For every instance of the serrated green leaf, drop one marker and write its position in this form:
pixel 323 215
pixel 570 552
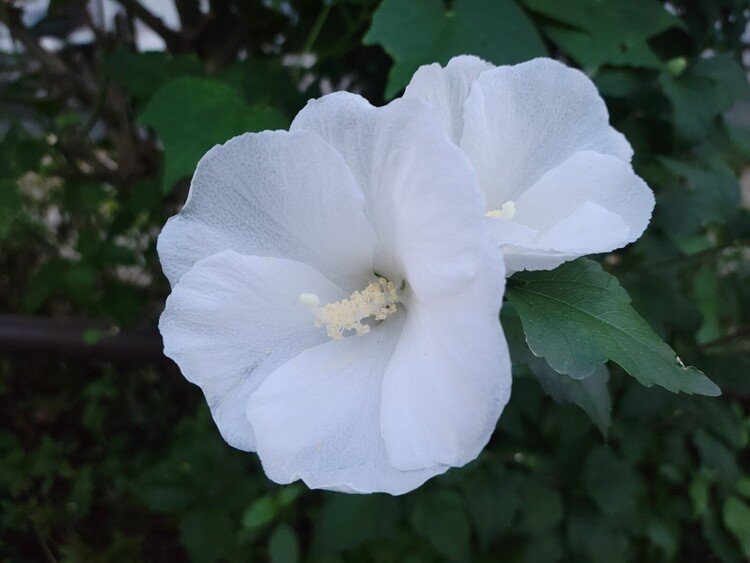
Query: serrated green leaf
pixel 698 195
pixel 191 115
pixel 577 317
pixel 706 89
pixel 142 74
pixel 613 32
pixel 590 393
pixel 417 32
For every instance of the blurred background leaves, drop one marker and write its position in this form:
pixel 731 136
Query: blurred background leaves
pixel 105 109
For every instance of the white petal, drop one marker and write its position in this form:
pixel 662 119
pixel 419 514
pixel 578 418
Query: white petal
pixel 521 121
pixel 517 259
pixel 420 191
pixel 446 89
pixel 231 320
pixel 449 378
pixel 509 232
pixel 592 177
pixel 317 417
pixel 287 195
pixel 591 203
pixel 587 230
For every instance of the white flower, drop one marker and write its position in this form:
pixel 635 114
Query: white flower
pixel 556 175
pixel 336 298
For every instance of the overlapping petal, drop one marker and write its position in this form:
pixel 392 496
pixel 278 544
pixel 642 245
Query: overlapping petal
pixel 317 417
pixel 521 121
pixel 538 135
pixel 231 320
pixel 589 204
pixel 281 194
pixel 420 191
pixel 446 89
pixel 450 377
pixel 351 192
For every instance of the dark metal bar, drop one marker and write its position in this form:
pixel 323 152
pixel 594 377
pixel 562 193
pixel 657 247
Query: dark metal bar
pixel 78 338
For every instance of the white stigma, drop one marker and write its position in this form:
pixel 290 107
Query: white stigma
pixel 378 300
pixel 506 211
pixel 309 299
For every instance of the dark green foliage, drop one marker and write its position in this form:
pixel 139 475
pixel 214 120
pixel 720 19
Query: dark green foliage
pixel 104 461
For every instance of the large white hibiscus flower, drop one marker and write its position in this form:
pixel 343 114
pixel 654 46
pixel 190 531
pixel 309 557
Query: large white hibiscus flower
pixel 335 297
pixel 556 175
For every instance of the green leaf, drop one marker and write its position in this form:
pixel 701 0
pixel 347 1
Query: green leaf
pixel 592 539
pixel 700 494
pixel 577 317
pixel 142 74
pixel 439 516
pixel 283 546
pixel 260 512
pixel 706 89
pixel 613 32
pixel 541 507
pixel 699 195
pixel 417 32
pixel 611 482
pixel 191 115
pixel 708 298
pixel 10 206
pixel 590 393
pixel 206 532
pixel 717 459
pixel 737 520
pixel 491 501
pixel 346 521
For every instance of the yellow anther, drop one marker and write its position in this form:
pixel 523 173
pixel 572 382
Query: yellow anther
pixel 378 300
pixel 506 211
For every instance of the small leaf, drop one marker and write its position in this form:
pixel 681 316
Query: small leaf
pixel 491 501
pixel 261 512
pixel 142 74
pixel 283 546
pixel 191 115
pixel 541 507
pixel 577 317
pixel 611 482
pixel 590 393
pixel 737 520
pixel 613 32
pixel 206 532
pixel 346 521
pixel 700 494
pixel 418 32
pixel 439 516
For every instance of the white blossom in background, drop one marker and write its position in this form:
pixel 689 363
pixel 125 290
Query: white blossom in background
pixel 556 175
pixel 336 297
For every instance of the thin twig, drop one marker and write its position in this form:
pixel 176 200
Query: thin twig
pixel 173 40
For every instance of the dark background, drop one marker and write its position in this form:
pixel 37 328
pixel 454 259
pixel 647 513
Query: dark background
pixel 108 454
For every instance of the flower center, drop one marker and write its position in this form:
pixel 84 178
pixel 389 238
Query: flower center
pixel 506 211
pixel 378 301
